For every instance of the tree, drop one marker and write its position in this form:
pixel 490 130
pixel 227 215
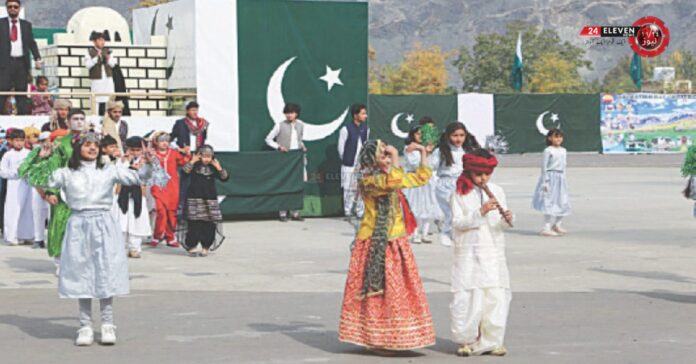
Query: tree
pixel 553 73
pixel 487 67
pixel 422 71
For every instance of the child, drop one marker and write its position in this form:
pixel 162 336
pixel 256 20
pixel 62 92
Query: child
pixel 39 205
pixel 93 262
pixel 167 198
pixel 454 142
pixel 31 135
pixel 40 165
pixel 480 277
pixel 551 194
pixel 100 64
pixel 287 136
pixel 384 305
pixel 202 207
pixel 19 222
pixel 41 104
pixel 421 199
pixel 350 140
pixel 135 221
pixel 689 170
pixel 109 149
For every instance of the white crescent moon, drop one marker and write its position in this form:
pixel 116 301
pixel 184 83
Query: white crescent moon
pixel 395 127
pixel 276 102
pixel 540 124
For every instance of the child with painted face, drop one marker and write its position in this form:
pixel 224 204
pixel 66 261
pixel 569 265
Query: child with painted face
pixel 446 161
pixel 202 208
pixel 93 261
pixel 18 221
pixel 480 278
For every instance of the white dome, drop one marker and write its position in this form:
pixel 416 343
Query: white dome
pixel 99 19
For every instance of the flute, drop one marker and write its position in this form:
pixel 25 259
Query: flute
pixel 500 208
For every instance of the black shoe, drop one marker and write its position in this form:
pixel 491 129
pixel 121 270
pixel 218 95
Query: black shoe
pixel 38 245
pixel 284 219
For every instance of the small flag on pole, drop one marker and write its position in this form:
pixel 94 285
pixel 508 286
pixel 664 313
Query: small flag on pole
pixel 516 76
pixel 636 70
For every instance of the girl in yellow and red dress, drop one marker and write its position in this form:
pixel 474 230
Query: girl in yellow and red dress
pixel 384 305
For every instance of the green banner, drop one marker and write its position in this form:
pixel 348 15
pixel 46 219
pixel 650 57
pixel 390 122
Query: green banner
pixel 261 182
pixel 523 120
pixel 307 52
pixel 391 117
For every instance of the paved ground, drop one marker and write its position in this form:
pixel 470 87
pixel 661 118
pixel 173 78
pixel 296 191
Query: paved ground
pixel 619 289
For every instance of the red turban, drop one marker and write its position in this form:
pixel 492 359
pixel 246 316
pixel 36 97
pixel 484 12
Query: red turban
pixel 476 164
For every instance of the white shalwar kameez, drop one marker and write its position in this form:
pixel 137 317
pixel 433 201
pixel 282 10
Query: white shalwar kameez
pixel 104 85
pixel 349 178
pixel 421 200
pixel 19 221
pixel 480 277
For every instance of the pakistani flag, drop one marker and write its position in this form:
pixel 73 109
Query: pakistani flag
pixel 523 120
pixel 392 117
pixel 517 65
pixel 312 53
pixel 636 70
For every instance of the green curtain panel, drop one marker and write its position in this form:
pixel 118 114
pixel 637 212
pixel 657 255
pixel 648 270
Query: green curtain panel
pixel 522 120
pixel 262 182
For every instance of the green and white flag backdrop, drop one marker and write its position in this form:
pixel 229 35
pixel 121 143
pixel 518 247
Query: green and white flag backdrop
pixel 250 57
pixel 392 117
pixel 522 121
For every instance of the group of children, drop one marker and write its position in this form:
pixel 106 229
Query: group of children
pixel 384 305
pixel 99 212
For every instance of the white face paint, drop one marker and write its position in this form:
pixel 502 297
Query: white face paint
pixel 78 122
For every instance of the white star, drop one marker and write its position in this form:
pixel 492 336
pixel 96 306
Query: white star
pixel 331 77
pixel 554 117
pixel 409 118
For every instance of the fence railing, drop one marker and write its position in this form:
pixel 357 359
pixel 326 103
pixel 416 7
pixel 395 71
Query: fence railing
pixel 93 96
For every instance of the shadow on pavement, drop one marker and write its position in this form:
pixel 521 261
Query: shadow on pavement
pixel 42 327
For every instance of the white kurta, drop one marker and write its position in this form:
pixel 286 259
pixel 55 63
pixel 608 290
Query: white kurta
pixel 19 221
pixel 349 179
pixel 105 84
pixel 480 278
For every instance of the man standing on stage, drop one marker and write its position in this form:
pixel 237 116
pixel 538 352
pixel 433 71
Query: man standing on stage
pixel 16 42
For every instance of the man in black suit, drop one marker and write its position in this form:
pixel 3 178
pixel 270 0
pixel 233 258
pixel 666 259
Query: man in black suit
pixel 16 42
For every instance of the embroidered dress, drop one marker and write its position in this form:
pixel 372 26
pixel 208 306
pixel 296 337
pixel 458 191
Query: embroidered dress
pixel 551 193
pixel 391 312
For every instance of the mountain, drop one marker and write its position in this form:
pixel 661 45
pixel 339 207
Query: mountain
pixel 395 25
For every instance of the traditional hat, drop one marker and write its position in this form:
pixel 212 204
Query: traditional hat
pixel 31 130
pixel 476 164
pixel 62 104
pixel 114 105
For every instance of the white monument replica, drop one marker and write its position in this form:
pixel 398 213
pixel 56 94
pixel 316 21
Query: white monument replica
pixel 144 66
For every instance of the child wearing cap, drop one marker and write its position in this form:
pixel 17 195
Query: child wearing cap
pixel 202 208
pixel 480 277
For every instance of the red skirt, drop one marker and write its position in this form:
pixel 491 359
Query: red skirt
pixel 397 320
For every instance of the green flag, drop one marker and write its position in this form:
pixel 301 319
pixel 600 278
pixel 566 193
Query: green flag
pixel 636 70
pixel 517 65
pixel 391 117
pixel 523 121
pixel 311 53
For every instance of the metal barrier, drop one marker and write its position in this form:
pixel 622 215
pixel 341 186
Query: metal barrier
pixel 93 96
